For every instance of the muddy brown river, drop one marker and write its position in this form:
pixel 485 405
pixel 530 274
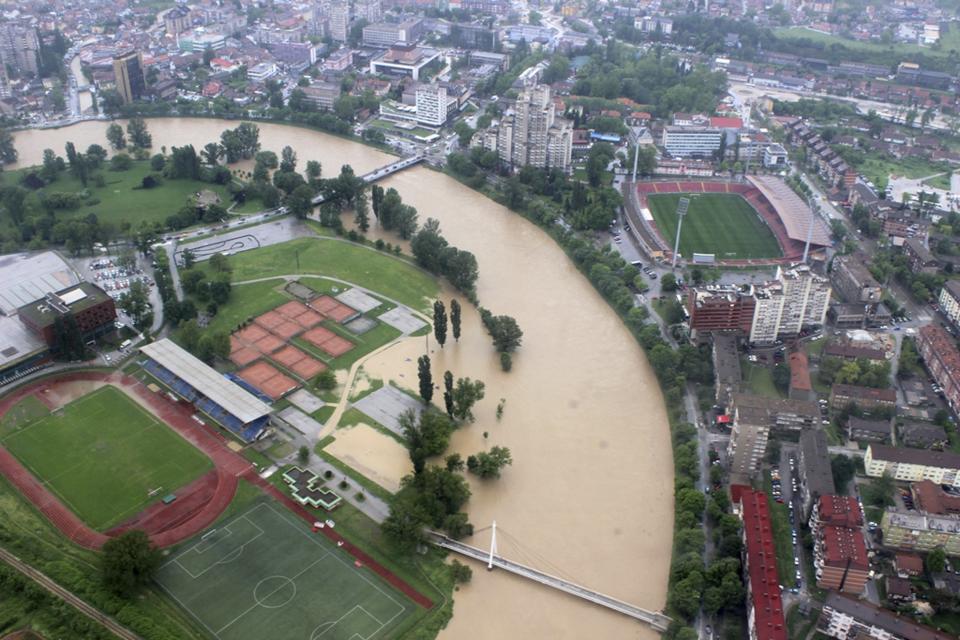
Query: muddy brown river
pixel 589 496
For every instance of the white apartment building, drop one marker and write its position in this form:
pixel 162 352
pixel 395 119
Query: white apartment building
pixel 797 298
pixel 844 617
pixel 691 142
pixel 912 465
pixel 431 104
pixel 339 21
pixel 950 301
pixel 262 71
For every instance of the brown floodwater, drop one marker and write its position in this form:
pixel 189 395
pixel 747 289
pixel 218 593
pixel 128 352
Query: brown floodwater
pixel 589 495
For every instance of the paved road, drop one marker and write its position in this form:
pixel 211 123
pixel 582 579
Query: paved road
pixel 77 603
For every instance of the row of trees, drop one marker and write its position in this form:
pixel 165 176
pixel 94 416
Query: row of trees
pixel 436 255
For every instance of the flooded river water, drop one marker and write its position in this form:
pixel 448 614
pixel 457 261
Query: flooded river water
pixel 589 495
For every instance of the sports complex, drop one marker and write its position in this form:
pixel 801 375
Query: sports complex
pixel 98 453
pixel 761 221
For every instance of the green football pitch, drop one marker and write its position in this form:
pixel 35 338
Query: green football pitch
pixel 264 574
pixel 719 223
pixel 103 455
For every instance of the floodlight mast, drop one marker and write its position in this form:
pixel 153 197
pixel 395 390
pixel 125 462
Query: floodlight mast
pixel 681 211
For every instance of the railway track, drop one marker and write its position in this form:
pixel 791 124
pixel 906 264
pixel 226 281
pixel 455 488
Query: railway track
pixel 76 602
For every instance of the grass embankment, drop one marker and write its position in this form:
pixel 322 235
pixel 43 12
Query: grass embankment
pixel 120 199
pixel 722 224
pixel 104 456
pixel 780 525
pixel 367 268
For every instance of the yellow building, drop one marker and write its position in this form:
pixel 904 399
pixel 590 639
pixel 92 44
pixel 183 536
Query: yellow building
pixel 912 465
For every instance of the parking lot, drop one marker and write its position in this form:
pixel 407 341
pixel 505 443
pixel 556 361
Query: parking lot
pixel 114 279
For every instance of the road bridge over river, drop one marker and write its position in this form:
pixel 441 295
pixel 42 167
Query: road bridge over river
pixel 382 172
pixel 656 620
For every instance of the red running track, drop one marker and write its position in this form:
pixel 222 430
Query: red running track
pixel 229 467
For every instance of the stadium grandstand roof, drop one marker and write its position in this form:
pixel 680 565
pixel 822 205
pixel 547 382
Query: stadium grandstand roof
pixel 793 211
pixel 243 405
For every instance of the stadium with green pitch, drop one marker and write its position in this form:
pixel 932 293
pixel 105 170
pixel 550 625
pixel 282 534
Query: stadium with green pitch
pixel 265 574
pixel 103 455
pixel 723 224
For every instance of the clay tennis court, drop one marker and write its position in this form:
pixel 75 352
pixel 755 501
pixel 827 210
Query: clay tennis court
pixel 252 333
pixel 328 341
pixel 269 343
pixel 269 320
pixel 308 319
pixel 268 379
pixel 318 335
pixel 244 356
pixel 333 308
pixel 337 346
pixel 299 362
pixel 292 309
pixel 287 329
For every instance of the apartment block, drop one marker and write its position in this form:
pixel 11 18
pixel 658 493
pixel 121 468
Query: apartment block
pixel 431 101
pixel 840 552
pixel 754 417
pixel 691 141
pixel 816 476
pixel 853 281
pixel 720 309
pixel 950 301
pixel 322 95
pixel 533 135
pixel 942 358
pixel 765 617
pixel 19 47
pixel 844 617
pixel 128 73
pixel 921 531
pixel 867 398
pixel 797 298
pixel 912 465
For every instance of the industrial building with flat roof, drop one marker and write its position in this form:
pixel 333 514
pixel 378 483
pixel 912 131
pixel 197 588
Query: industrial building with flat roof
pixel 226 402
pixel 26 277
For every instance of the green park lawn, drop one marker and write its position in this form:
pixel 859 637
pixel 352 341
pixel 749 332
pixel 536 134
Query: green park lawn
pixel 759 379
pixel 949 40
pixel 119 199
pixel 102 454
pixel 722 224
pixel 878 168
pixel 374 270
